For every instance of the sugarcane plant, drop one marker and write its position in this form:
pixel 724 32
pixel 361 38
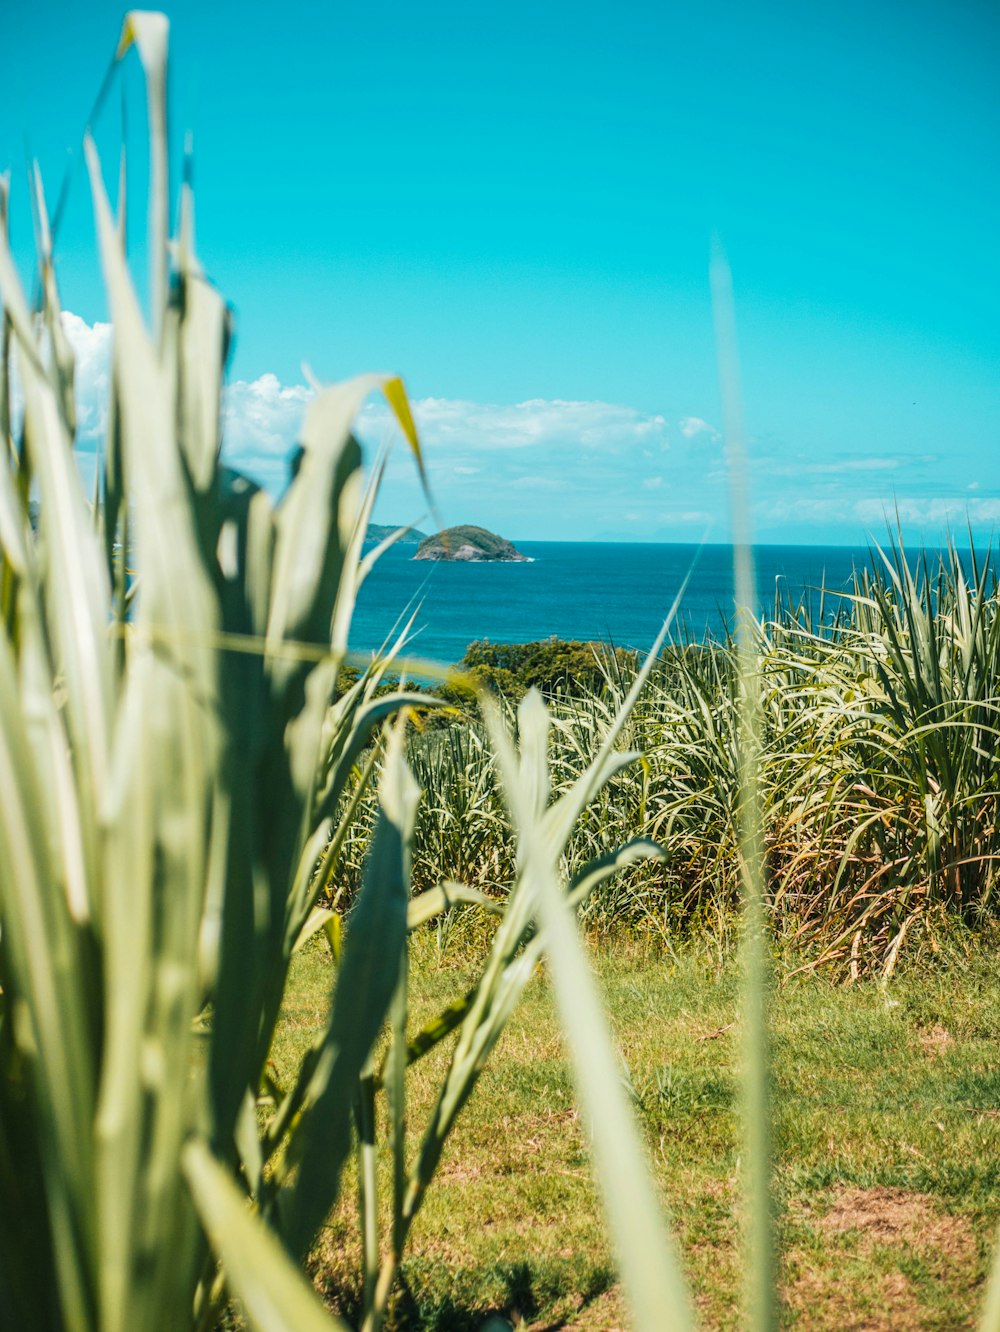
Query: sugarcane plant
pixel 180 764
pixel 174 754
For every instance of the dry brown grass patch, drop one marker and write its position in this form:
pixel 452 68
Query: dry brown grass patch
pixel 936 1041
pixel 898 1216
pixel 890 1226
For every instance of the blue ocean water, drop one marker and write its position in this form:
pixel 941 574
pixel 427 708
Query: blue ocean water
pixel 584 590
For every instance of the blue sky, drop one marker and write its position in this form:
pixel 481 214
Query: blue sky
pixel 512 206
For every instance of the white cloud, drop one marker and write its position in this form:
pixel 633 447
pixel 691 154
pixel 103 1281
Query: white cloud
pixel 91 345
pixel 875 513
pixel 862 465
pixel 777 509
pixel 537 422
pixel 942 511
pixel 839 468
pixel 262 418
pixel 846 466
pixel 693 426
pixel 544 446
pixel 687 517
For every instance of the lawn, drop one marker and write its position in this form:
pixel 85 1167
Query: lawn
pixel 887 1143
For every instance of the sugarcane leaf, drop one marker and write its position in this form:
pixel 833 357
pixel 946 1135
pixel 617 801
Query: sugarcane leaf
pixel 434 901
pixel 366 981
pixel 149 32
pixel 319 510
pixel 647 1257
pixel 271 1288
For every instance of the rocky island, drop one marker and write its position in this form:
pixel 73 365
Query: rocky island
pixel 468 545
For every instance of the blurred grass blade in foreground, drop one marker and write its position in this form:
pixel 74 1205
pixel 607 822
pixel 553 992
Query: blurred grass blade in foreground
pixel 761 1273
pixel 648 1261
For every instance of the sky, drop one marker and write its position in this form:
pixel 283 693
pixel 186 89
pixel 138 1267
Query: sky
pixel 513 207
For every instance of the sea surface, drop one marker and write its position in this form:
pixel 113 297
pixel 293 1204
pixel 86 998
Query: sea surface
pixel 620 593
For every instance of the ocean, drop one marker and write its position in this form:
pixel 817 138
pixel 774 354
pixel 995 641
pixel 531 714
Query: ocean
pixel 619 593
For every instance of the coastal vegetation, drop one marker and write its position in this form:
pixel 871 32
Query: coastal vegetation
pixel 554 665
pixel 510 670
pixel 878 772
pixel 265 934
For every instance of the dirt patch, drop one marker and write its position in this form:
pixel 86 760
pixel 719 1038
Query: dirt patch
pixel 897 1216
pixel 877 1219
pixel 935 1041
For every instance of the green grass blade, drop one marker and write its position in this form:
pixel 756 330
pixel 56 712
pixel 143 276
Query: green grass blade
pixel 172 686
pixel 272 1290
pixel 42 949
pixel 761 1272
pixel 434 902
pixel 366 982
pixel 150 33
pixel 77 599
pixel 395 1084
pixel 647 1258
pixel 307 567
pixel 990 1319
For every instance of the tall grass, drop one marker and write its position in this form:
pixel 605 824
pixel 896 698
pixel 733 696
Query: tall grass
pixel 173 758
pixel 878 780
pixel 180 773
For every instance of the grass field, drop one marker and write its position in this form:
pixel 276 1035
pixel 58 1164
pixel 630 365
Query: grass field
pixel 888 1143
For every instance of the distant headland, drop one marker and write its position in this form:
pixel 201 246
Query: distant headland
pixel 380 531
pixel 469 545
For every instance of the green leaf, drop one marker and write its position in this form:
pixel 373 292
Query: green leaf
pixel 990 1320
pixel 434 901
pixel 647 1258
pixel 150 33
pixel 366 981
pixel 272 1290
pixel 327 485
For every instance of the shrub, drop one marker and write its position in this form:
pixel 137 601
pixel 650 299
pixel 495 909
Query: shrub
pixel 552 665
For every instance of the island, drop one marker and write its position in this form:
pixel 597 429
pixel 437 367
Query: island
pixel 469 545
pixel 379 532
